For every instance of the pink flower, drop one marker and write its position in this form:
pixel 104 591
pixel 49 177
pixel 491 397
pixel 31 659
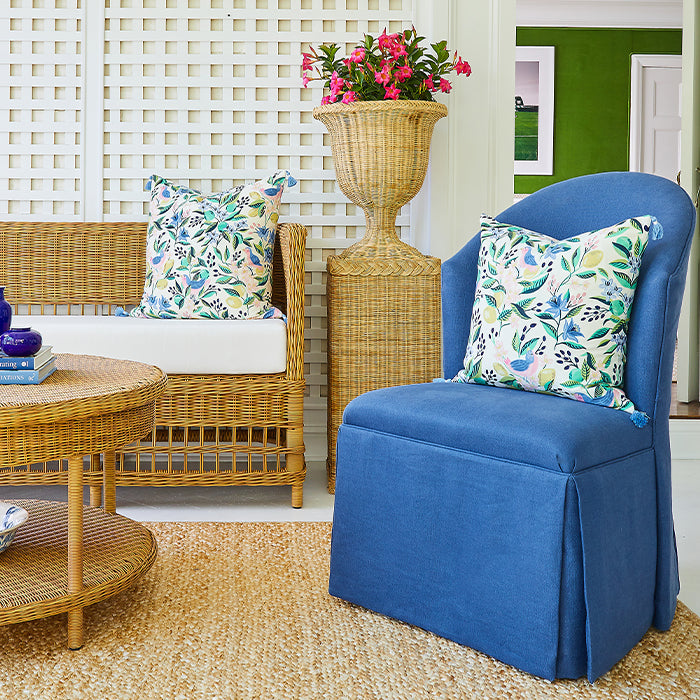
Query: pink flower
pixel 384 77
pixel 329 99
pixel 403 73
pixel 336 81
pixel 305 80
pixel 463 67
pixel 445 85
pixel 428 83
pixel 387 41
pixel 358 55
pixel 398 50
pixel 392 93
pixel 306 63
pixel 349 97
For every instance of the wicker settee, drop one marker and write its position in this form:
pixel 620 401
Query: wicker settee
pixel 210 429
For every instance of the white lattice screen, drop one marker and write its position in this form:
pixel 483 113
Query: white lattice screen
pixel 41 69
pixel 206 92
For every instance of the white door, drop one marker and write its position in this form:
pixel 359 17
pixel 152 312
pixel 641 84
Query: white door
pixel 655 115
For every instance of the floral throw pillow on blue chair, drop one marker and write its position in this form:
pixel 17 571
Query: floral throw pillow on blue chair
pixel 210 256
pixel 551 315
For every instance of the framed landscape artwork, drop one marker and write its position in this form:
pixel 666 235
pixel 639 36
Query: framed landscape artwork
pixel 534 110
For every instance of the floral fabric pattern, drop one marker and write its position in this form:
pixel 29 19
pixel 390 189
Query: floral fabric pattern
pixel 551 315
pixel 210 256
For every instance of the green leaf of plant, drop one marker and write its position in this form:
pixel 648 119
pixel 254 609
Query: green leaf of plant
pixel 505 315
pixel 625 279
pixel 623 245
pixel 519 310
pixel 576 257
pixel 528 287
pixel 585 371
pixel 550 330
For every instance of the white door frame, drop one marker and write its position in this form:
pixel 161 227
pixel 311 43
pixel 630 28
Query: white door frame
pixel 639 63
pixel 688 330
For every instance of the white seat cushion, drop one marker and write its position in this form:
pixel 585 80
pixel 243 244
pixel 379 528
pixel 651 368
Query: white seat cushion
pixel 177 346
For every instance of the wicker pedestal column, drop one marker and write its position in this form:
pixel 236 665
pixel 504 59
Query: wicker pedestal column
pixel 383 328
pixel 383 295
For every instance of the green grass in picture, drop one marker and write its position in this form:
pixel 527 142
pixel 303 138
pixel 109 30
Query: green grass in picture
pixel 525 135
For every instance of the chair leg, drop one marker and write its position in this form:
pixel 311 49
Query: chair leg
pixel 295 463
pixel 75 548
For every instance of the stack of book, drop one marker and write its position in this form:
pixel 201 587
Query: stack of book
pixel 27 370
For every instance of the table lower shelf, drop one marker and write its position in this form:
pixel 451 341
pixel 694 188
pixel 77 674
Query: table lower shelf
pixel 34 569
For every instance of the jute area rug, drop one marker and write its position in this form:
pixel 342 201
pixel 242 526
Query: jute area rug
pixel 241 610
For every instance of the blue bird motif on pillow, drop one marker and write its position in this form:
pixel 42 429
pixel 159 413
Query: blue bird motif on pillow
pixel 603 400
pixel 272 191
pixel 521 365
pixel 197 284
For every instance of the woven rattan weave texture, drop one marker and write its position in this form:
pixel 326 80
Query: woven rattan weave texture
pixel 89 405
pixel 33 571
pixel 383 295
pixel 210 429
pixel 383 330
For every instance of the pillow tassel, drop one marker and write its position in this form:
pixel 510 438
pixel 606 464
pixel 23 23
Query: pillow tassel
pixel 639 418
pixel 657 230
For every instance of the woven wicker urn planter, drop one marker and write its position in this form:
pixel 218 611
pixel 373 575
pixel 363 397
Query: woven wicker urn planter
pixel 383 295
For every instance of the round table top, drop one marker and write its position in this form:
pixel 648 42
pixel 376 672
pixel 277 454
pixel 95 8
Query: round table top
pixel 81 386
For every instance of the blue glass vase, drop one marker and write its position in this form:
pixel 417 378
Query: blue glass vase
pixel 5 312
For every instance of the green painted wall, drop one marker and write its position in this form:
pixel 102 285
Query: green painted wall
pixel 591 95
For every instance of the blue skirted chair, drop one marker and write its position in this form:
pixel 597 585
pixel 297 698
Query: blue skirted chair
pixel 532 527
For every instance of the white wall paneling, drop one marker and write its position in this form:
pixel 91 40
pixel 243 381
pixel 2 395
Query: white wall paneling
pixel 471 167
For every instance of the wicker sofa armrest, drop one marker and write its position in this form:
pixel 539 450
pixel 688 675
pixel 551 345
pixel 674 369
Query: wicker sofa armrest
pixel 292 246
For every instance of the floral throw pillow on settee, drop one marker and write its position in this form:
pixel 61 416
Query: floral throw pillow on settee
pixel 551 315
pixel 210 255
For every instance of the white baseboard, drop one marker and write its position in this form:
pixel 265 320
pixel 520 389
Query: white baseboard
pixel 685 438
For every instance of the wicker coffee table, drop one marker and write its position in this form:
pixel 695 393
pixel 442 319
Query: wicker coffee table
pixel 68 556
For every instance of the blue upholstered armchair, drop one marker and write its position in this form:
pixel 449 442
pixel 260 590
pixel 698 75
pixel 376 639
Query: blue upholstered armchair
pixel 532 527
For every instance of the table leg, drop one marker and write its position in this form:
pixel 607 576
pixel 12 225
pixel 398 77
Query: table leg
pixel 75 548
pixel 108 475
pixel 95 490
